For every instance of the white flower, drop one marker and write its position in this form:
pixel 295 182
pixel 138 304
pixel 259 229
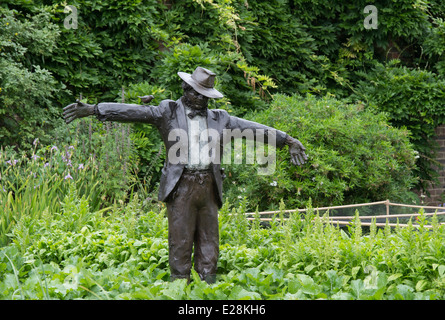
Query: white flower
pixel 273 183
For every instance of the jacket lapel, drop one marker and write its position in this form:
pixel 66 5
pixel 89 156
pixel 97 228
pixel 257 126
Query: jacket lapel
pixel 180 116
pixel 212 122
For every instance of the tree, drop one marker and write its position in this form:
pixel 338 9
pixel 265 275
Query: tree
pixel 26 89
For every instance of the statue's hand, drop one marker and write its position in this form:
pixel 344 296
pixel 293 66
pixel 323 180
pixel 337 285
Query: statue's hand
pixel 77 110
pixel 296 150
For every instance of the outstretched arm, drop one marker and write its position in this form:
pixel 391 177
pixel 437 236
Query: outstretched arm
pixel 110 111
pixel 296 149
pixel 77 110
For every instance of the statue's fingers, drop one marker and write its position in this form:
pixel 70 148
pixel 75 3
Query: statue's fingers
pixel 67 116
pixel 69 119
pixel 70 106
pixel 301 159
pixel 292 159
pixel 69 113
pixel 295 160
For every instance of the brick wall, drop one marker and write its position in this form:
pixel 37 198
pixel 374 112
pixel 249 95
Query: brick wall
pixel 437 192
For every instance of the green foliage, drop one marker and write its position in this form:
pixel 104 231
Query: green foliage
pixel 70 225
pixel 354 157
pixel 26 89
pixel 434 44
pixel 412 99
pixel 83 254
pixel 112 45
pixel 148 146
pixel 257 49
pixel 275 40
pixel 37 183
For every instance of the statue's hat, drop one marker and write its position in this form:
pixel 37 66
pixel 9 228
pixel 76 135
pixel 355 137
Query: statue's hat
pixel 202 80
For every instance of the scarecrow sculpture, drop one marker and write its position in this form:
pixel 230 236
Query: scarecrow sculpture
pixel 191 184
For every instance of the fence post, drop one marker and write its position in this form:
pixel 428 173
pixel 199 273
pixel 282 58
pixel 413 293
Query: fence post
pixel 387 207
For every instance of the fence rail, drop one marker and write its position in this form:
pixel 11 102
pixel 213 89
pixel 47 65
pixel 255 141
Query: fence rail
pixel 345 220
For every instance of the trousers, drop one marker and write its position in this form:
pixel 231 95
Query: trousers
pixel 192 212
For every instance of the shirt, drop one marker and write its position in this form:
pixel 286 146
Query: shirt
pixel 197 138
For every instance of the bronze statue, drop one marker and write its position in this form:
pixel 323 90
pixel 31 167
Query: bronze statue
pixel 191 185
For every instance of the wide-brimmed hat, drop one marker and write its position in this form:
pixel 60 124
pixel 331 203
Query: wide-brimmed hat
pixel 202 80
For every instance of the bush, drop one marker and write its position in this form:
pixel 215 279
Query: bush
pixel 27 91
pixel 354 157
pixel 413 99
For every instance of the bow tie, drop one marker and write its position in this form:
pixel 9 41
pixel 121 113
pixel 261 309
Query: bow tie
pixel 197 112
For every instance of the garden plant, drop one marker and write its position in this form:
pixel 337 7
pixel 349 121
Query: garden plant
pixel 79 217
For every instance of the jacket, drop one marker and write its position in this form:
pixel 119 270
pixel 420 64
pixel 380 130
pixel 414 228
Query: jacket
pixel 170 115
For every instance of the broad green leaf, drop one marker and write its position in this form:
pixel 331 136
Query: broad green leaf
pixel 394 276
pixel 441 270
pixel 293 286
pixel 239 293
pixel 175 290
pixel 404 292
pixel 355 271
pixel 309 268
pixel 357 287
pixel 308 286
pixel 421 285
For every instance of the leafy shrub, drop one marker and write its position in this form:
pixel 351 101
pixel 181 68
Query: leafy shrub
pixel 413 99
pixel 354 157
pixel 27 91
pixel 113 44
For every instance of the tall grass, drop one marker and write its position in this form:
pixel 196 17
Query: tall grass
pixel 31 184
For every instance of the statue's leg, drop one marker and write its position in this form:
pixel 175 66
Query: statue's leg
pixel 181 213
pixel 207 231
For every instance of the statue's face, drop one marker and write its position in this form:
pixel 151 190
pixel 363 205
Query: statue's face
pixel 195 100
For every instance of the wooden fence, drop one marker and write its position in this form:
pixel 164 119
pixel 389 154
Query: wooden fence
pixel 366 220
